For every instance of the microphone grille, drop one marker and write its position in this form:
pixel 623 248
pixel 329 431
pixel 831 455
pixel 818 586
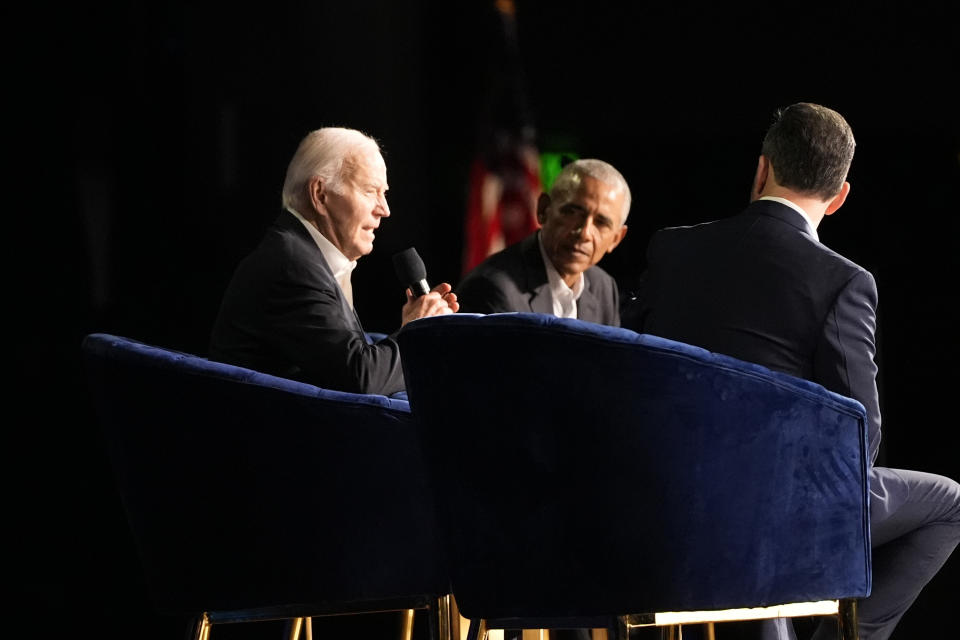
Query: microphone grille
pixel 409 266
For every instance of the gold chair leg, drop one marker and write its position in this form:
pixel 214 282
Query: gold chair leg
pixel 444 619
pixel 671 632
pixel 308 628
pixel 847 619
pixel 458 624
pixel 201 628
pixel 711 633
pixel 622 629
pixel 295 626
pixel 406 624
pixel 478 629
pixel 535 634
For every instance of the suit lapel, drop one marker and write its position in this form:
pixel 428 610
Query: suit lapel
pixel 536 274
pixel 541 301
pixel 588 307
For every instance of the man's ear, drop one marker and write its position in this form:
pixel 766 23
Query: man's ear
pixel 317 190
pixel 838 199
pixel 619 239
pixel 760 177
pixel 542 203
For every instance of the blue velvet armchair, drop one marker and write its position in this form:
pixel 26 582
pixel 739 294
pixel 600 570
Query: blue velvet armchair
pixel 253 497
pixel 590 476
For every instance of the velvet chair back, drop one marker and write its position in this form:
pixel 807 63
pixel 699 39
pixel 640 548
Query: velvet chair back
pixel 244 490
pixel 585 470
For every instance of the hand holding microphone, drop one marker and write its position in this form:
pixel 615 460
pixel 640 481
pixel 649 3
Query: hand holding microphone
pixel 422 301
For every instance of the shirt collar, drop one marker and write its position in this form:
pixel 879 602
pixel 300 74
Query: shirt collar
pixel 798 209
pixel 338 263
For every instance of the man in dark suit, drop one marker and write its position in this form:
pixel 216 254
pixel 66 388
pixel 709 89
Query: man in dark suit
pixel 761 287
pixel 553 270
pixel 288 309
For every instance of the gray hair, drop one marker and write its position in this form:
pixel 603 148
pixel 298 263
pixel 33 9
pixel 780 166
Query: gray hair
pixel 569 179
pixel 322 153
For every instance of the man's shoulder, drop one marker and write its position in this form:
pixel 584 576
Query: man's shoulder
pixel 288 234
pixel 673 242
pixel 285 249
pixel 508 258
pixel 686 232
pixel 503 266
pixel 846 270
pixel 502 274
pixel 829 255
pixel 764 243
pixel 501 282
pixel 787 239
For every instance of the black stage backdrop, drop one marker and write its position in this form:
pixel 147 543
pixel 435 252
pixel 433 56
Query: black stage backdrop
pixel 150 142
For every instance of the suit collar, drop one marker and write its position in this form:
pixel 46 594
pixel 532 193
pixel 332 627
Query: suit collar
pixel 286 222
pixel 537 283
pixel 783 213
pixel 588 306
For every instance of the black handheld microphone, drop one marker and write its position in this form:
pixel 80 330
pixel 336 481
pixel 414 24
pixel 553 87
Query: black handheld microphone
pixel 411 271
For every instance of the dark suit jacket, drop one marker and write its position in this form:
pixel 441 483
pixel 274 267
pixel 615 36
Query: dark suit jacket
pixel 516 280
pixel 283 313
pixel 758 287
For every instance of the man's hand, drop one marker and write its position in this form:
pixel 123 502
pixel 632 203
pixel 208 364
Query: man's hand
pixel 439 301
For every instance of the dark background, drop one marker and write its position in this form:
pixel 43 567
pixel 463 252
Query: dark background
pixel 150 141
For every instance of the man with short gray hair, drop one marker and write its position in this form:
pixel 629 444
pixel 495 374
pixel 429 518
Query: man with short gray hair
pixel 554 270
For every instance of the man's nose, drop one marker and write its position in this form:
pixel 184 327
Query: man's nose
pixel 582 229
pixel 382 208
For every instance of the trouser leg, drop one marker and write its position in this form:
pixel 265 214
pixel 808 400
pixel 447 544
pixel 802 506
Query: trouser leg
pixel 914 527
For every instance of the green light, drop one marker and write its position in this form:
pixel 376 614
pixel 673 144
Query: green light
pixel 551 162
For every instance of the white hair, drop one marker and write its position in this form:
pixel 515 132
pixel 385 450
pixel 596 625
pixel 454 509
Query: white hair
pixel 322 153
pixel 569 178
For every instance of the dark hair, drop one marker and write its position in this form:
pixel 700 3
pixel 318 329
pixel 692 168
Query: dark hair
pixel 810 148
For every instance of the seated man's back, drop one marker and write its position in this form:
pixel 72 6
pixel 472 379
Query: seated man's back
pixel 736 286
pixel 760 287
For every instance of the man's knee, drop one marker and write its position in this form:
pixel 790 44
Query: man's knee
pixel 902 501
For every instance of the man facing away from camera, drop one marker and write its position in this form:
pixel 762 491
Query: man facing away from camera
pixel 759 286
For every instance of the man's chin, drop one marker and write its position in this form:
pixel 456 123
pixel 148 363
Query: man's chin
pixel 575 268
pixel 569 261
pixel 358 252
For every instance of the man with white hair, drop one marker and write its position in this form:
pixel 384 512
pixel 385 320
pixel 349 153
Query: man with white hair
pixel 554 270
pixel 288 309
